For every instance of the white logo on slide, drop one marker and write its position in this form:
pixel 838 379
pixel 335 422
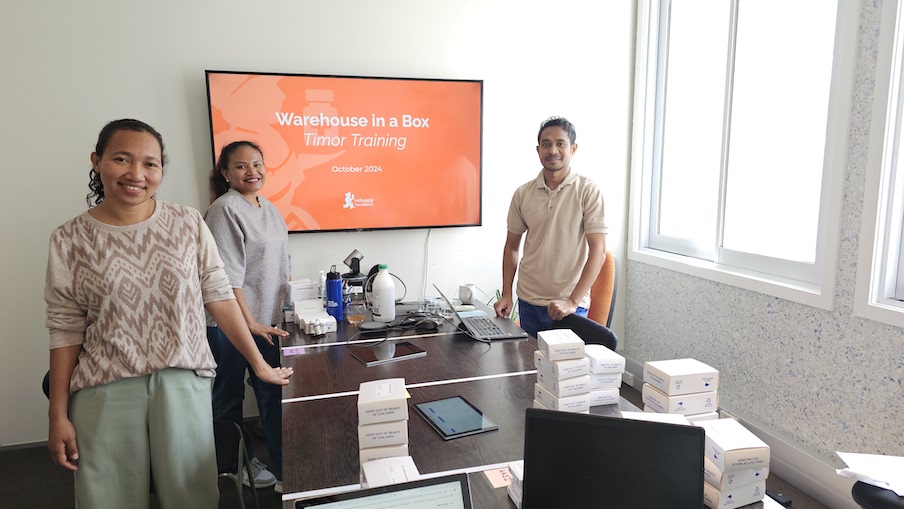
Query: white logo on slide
pixel 349 201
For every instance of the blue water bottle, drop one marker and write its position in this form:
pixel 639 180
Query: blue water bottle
pixel 334 294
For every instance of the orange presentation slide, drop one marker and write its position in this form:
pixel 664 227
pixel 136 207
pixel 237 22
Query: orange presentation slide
pixel 350 153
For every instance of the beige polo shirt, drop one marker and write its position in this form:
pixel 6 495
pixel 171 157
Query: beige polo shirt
pixel 556 222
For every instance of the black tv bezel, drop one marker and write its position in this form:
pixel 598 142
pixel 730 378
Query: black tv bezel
pixel 213 148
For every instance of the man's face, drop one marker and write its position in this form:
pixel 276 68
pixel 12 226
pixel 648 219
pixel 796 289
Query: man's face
pixel 555 149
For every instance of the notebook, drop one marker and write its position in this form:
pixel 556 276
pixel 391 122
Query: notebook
pixel 486 327
pixel 450 491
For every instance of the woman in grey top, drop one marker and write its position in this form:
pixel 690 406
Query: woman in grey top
pixel 252 239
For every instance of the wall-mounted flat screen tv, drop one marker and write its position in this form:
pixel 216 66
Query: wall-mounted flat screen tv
pixel 346 153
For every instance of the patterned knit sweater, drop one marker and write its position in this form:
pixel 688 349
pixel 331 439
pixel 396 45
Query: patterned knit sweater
pixel 133 295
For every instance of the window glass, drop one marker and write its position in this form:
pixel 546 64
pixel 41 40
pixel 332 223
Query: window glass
pixel 779 111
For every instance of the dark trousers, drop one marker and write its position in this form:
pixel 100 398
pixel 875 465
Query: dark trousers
pixel 229 392
pixel 536 318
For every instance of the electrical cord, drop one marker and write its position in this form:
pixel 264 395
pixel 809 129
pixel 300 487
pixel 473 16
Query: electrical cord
pixel 369 283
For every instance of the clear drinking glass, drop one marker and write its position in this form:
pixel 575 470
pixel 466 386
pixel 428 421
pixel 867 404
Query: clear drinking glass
pixel 355 312
pixel 433 309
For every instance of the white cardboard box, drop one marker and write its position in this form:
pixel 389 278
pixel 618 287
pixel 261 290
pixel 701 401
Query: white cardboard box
pixel 382 433
pixel 687 404
pixel 307 306
pixel 681 376
pixel 303 289
pixel 576 404
pixel 732 447
pixel 560 344
pixel 603 360
pixel 599 397
pixel 567 387
pixel 605 380
pixel 708 416
pixel 723 482
pixel 735 497
pixel 322 320
pixel 561 370
pixel 386 471
pixel 656 417
pixel 539 405
pixel 382 400
pixel 376 453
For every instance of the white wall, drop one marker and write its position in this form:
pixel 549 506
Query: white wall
pixel 69 69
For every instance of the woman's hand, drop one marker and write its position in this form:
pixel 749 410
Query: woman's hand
pixel 265 331
pixel 275 376
pixel 61 442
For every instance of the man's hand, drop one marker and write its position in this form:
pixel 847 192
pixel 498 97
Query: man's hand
pixel 503 306
pixel 560 308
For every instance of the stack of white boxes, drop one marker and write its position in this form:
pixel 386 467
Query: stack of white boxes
pixel 382 419
pixel 606 369
pixel 563 379
pixel 516 487
pixel 681 386
pixel 735 465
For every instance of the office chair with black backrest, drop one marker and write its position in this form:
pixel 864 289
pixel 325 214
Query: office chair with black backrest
pixel 588 330
pixel 874 497
pixel 603 291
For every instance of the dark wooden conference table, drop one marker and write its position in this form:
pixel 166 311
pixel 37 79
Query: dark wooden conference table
pixel 320 419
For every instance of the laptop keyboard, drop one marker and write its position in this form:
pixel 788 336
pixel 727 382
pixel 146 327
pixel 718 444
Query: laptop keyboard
pixel 484 326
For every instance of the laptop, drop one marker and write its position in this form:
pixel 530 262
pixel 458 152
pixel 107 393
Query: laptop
pixel 486 327
pixel 449 491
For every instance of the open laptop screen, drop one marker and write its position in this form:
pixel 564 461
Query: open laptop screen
pixel 580 460
pixel 447 492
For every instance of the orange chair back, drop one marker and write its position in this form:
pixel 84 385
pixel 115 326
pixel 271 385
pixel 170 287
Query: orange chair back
pixel 602 293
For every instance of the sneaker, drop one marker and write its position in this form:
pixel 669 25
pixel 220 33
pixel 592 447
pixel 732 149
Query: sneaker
pixel 263 478
pixel 278 487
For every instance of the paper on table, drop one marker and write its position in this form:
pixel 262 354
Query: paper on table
pixel 876 469
pixel 499 477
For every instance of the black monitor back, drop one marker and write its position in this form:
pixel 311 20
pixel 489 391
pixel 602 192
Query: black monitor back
pixel 580 460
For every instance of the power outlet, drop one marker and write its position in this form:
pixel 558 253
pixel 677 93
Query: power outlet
pixel 628 378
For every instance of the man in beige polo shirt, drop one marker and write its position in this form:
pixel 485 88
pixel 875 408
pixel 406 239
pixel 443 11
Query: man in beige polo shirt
pixel 562 214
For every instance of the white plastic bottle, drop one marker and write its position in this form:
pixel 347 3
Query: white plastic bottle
pixel 383 306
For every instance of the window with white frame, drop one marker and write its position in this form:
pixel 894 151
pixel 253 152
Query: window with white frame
pixel 740 133
pixel 880 275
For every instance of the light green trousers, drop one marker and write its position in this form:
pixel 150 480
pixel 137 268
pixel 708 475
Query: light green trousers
pixel 160 422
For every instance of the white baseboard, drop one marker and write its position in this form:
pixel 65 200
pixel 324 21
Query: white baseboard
pixel 806 470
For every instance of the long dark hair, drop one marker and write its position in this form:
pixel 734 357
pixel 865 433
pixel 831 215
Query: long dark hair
pixel 218 184
pixel 125 124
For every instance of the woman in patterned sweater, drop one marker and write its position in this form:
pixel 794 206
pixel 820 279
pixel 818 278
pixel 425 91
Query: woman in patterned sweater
pixel 130 367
